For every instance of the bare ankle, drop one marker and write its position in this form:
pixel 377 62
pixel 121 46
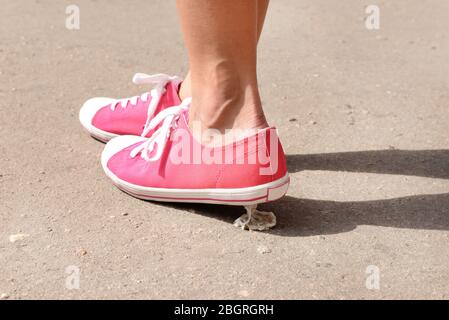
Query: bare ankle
pixel 227 100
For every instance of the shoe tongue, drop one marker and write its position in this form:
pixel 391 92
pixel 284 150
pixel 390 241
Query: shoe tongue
pixel 169 98
pixel 186 116
pixel 172 92
pixel 183 121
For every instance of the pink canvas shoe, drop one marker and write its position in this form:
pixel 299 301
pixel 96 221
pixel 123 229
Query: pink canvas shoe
pixel 106 118
pixel 173 166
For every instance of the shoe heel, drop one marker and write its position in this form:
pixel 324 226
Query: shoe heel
pixel 277 192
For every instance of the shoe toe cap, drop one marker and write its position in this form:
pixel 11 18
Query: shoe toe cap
pixel 90 109
pixel 116 145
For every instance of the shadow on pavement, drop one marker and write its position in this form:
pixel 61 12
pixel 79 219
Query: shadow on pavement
pixel 422 163
pixel 306 217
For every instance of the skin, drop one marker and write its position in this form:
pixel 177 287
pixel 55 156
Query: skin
pixel 221 39
pixel 262 7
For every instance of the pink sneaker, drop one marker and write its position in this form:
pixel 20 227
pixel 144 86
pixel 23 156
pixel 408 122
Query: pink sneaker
pixel 173 166
pixel 106 118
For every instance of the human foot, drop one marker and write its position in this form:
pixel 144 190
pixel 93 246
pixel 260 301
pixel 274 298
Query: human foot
pixel 106 118
pixel 172 166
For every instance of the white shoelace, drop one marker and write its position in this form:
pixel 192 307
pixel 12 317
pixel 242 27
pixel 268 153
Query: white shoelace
pixel 159 81
pixel 168 118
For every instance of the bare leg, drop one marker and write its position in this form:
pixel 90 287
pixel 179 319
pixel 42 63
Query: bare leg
pixel 221 39
pixel 261 7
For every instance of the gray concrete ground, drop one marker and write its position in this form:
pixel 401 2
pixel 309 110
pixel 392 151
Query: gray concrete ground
pixel 368 155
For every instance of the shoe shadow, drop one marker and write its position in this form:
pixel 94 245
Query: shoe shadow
pixel 306 217
pixel 422 163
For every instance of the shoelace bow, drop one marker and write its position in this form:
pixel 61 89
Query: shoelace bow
pixel 168 117
pixel 159 81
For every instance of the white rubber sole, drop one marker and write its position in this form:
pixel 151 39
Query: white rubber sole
pixel 100 135
pixel 239 196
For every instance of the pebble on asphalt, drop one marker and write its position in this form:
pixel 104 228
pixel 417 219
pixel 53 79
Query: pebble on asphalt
pixel 18 237
pixel 4 296
pixel 263 249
